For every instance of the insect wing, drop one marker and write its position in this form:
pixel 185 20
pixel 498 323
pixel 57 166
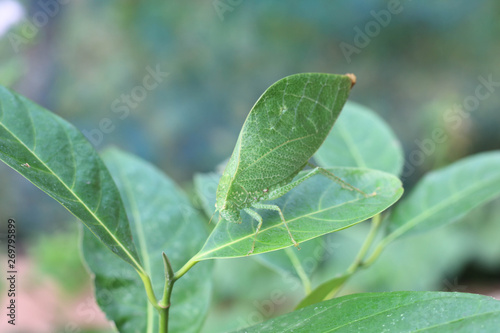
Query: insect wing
pixel 285 128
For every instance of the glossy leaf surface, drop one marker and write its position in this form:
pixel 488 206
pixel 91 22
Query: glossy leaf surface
pixel 56 157
pixel 403 311
pixel 309 255
pixel 447 194
pixel 316 207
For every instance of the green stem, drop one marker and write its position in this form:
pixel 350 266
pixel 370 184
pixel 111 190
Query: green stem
pixel 306 282
pixel 185 268
pixel 149 289
pixel 169 281
pixel 378 250
pixel 358 261
pixel 163 306
pixel 163 326
pixel 389 239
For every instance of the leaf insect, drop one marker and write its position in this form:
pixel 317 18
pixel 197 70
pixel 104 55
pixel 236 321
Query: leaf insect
pixel 284 129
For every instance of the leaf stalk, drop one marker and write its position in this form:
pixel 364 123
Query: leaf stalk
pixel 149 290
pixel 359 259
pixel 306 282
pixel 163 306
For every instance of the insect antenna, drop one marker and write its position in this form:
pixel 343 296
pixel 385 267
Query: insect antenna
pixel 211 217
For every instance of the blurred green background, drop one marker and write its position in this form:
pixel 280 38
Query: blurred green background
pixel 420 65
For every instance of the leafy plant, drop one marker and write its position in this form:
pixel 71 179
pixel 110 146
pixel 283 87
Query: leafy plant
pixel 137 219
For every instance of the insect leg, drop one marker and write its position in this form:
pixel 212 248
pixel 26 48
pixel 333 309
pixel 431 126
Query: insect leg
pixel 280 191
pixel 258 218
pixel 276 208
pixel 338 180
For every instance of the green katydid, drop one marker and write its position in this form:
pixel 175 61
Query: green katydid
pixel 284 129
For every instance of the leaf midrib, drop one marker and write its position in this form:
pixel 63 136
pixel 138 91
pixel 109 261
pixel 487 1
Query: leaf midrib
pixel 386 310
pixel 137 222
pixel 139 267
pixel 442 205
pixel 229 244
pixel 351 146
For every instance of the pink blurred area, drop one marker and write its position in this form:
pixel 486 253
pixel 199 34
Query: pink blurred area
pixel 41 307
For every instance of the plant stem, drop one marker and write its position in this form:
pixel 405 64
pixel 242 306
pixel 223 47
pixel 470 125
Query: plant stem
pixel 386 241
pixel 185 268
pixel 163 326
pixel 358 261
pixel 306 282
pixel 378 250
pixel 163 306
pixel 149 289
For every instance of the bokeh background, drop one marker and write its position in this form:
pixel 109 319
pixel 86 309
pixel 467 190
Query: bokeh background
pixel 81 59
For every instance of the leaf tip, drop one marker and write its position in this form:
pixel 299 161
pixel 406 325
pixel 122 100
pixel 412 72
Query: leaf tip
pixel 352 77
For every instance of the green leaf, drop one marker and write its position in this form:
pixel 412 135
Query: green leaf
pixel 316 207
pixel 162 219
pixel 320 292
pixel 56 157
pixel 206 187
pixel 309 255
pixel 360 138
pixel 285 127
pixel 296 261
pixel 402 311
pixel 446 195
